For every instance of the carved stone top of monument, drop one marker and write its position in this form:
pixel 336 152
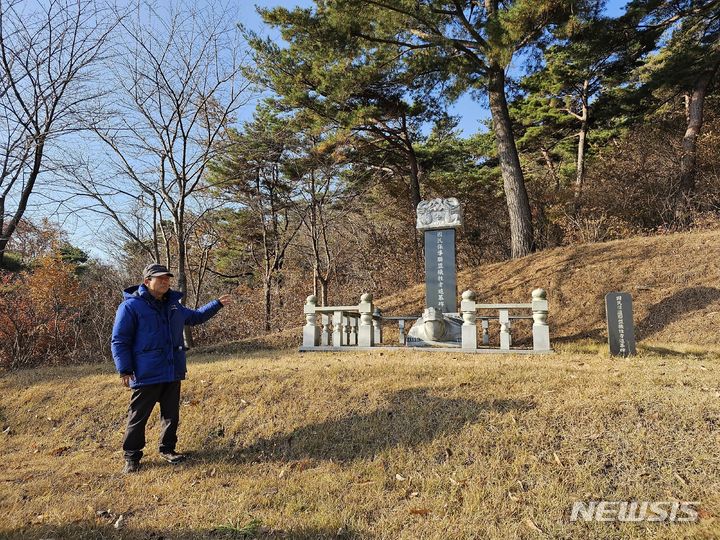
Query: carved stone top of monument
pixel 439 214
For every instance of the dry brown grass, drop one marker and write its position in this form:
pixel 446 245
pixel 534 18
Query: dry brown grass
pixel 392 444
pixel 673 280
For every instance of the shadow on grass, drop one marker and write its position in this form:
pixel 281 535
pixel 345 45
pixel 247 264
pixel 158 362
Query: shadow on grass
pixel 666 352
pixel 414 417
pixel 670 309
pixel 280 342
pixel 586 338
pixel 221 532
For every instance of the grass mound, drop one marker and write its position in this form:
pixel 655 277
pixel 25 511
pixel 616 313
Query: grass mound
pixel 673 280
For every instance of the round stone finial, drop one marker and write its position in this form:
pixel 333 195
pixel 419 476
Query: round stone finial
pixel 312 299
pixel 367 297
pixel 539 294
pixel 468 295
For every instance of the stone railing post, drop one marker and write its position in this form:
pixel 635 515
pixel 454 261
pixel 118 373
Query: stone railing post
pixel 377 327
pixel 338 330
pixel 366 335
pixel 541 330
pixel 354 323
pixel 469 326
pixel 485 323
pixel 311 331
pixel 505 337
pixel 325 334
pixel 346 329
pixel 401 331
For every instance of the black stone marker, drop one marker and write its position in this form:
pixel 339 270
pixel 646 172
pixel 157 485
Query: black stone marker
pixel 440 272
pixel 621 330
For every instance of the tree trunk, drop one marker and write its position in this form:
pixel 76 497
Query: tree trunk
pixel 580 168
pixel 580 165
pixel 182 275
pixel 551 168
pixel 415 196
pixel 9 228
pixel 323 291
pixel 267 288
pixel 694 104
pixel 582 138
pixel 279 296
pixel 521 230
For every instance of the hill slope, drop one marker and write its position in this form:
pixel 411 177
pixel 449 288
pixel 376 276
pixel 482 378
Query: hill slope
pixel 673 280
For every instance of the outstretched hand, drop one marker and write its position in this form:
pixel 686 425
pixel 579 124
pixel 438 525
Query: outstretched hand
pixel 226 299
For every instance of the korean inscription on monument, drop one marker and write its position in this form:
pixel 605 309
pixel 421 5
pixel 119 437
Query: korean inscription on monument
pixel 621 332
pixel 439 218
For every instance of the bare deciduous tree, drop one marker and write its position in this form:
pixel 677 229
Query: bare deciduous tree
pixel 179 83
pixel 47 52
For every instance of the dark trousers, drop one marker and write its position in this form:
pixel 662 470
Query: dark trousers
pixel 142 403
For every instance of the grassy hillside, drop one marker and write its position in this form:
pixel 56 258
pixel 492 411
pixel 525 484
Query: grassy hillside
pixel 673 280
pixel 370 445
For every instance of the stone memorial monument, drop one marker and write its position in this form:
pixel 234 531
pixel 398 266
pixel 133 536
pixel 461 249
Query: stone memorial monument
pixel 440 323
pixel 621 330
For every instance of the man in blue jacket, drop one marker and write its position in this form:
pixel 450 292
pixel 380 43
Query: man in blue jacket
pixel 149 353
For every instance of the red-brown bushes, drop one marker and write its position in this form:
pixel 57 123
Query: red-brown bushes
pixel 52 315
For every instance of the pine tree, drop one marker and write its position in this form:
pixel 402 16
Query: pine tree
pixel 687 65
pixel 448 47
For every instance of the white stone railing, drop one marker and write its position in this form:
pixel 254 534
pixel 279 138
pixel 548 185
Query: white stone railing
pixel 360 325
pixel 540 329
pixel 341 326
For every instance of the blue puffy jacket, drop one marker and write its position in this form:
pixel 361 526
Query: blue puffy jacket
pixel 147 338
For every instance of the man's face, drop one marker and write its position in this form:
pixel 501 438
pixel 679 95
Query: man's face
pixel 158 285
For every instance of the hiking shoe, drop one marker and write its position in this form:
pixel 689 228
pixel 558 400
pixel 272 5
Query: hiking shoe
pixel 172 457
pixel 131 466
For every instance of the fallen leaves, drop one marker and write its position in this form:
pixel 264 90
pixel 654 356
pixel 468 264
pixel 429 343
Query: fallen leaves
pixel 530 524
pixel 419 511
pixel 705 514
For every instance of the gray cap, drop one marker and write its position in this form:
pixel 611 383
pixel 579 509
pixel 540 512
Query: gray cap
pixel 155 270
